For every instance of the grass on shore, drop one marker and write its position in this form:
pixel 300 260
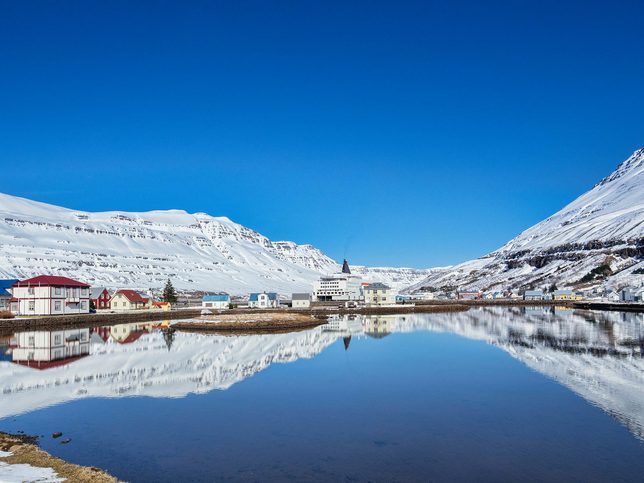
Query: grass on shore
pixel 24 450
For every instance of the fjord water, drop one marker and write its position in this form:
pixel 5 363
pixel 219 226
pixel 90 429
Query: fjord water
pixel 485 395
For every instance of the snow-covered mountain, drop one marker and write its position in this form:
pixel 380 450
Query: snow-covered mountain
pixel 141 250
pixel 596 240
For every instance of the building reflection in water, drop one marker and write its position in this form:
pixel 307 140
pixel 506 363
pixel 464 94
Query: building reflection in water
pixel 47 349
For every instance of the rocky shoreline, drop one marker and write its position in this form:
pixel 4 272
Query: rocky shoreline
pixel 20 454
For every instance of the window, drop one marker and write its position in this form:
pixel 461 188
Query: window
pixel 57 340
pixel 32 341
pixel 32 305
pixel 84 305
pixel 58 291
pixel 31 291
pixel 57 306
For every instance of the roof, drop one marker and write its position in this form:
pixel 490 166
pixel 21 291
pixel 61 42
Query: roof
pixel 4 284
pixel 96 292
pixel 160 304
pixel 301 296
pixel 5 294
pixel 534 292
pixel 131 295
pixel 563 292
pixel 216 298
pixel 271 296
pixel 377 286
pixel 50 280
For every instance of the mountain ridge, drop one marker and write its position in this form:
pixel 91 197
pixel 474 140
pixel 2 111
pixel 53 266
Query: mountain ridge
pixel 601 231
pixel 143 249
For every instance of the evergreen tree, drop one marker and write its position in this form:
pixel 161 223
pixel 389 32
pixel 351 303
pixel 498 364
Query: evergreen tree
pixel 553 287
pixel 169 293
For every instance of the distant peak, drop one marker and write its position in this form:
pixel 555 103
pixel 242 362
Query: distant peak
pixel 634 161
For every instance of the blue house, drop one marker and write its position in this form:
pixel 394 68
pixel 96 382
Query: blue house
pixel 219 301
pixel 5 294
pixel 263 300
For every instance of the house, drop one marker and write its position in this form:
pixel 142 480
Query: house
pixel 378 294
pixel 164 306
pixel 128 300
pixel 5 294
pixel 50 295
pixel 566 295
pixel 630 294
pixel 301 300
pixel 533 295
pixel 403 298
pixel 263 300
pixel 218 302
pixel 468 295
pixel 340 286
pixel 100 297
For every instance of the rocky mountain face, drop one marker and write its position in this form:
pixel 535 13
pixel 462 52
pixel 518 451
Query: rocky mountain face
pixel 597 241
pixel 142 250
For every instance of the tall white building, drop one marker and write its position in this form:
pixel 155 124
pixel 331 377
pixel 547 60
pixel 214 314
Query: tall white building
pixel 50 295
pixel 340 286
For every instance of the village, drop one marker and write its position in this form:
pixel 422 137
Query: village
pixel 53 295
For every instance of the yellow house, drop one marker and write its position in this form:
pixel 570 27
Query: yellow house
pixel 164 306
pixel 567 295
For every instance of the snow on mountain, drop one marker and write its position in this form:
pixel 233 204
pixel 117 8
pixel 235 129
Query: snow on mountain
pixel 142 250
pixel 597 240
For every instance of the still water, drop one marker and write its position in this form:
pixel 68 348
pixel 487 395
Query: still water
pixel 485 395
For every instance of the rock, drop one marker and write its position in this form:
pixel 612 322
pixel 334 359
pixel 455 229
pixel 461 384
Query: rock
pixel 66 441
pixel 56 434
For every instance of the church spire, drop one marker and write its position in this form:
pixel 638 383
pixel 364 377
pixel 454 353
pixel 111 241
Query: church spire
pixel 345 267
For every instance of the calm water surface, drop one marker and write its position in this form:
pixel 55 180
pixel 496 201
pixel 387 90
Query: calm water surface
pixel 485 395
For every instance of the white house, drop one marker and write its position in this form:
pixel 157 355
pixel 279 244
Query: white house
pixel 44 349
pixel 301 300
pixel 50 295
pixel 217 302
pixel 533 295
pixel 630 294
pixel 263 300
pixel 378 294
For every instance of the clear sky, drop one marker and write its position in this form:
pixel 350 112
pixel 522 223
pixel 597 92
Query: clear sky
pixel 393 133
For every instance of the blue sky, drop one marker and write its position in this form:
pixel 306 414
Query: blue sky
pixel 393 133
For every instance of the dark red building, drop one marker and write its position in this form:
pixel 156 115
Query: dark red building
pixel 101 298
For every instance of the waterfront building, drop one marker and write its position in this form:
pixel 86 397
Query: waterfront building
pixel 50 295
pixel 5 294
pixel 263 300
pixel 378 294
pixel 218 302
pixel 469 295
pixel 566 295
pixel 301 300
pixel 630 294
pixel 126 299
pixel 101 298
pixel 164 306
pixel 339 286
pixel 533 295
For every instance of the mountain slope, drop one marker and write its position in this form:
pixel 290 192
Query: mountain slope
pixel 141 250
pixel 596 240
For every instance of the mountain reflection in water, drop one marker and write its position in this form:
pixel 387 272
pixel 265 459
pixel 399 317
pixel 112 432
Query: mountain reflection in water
pixel 597 355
